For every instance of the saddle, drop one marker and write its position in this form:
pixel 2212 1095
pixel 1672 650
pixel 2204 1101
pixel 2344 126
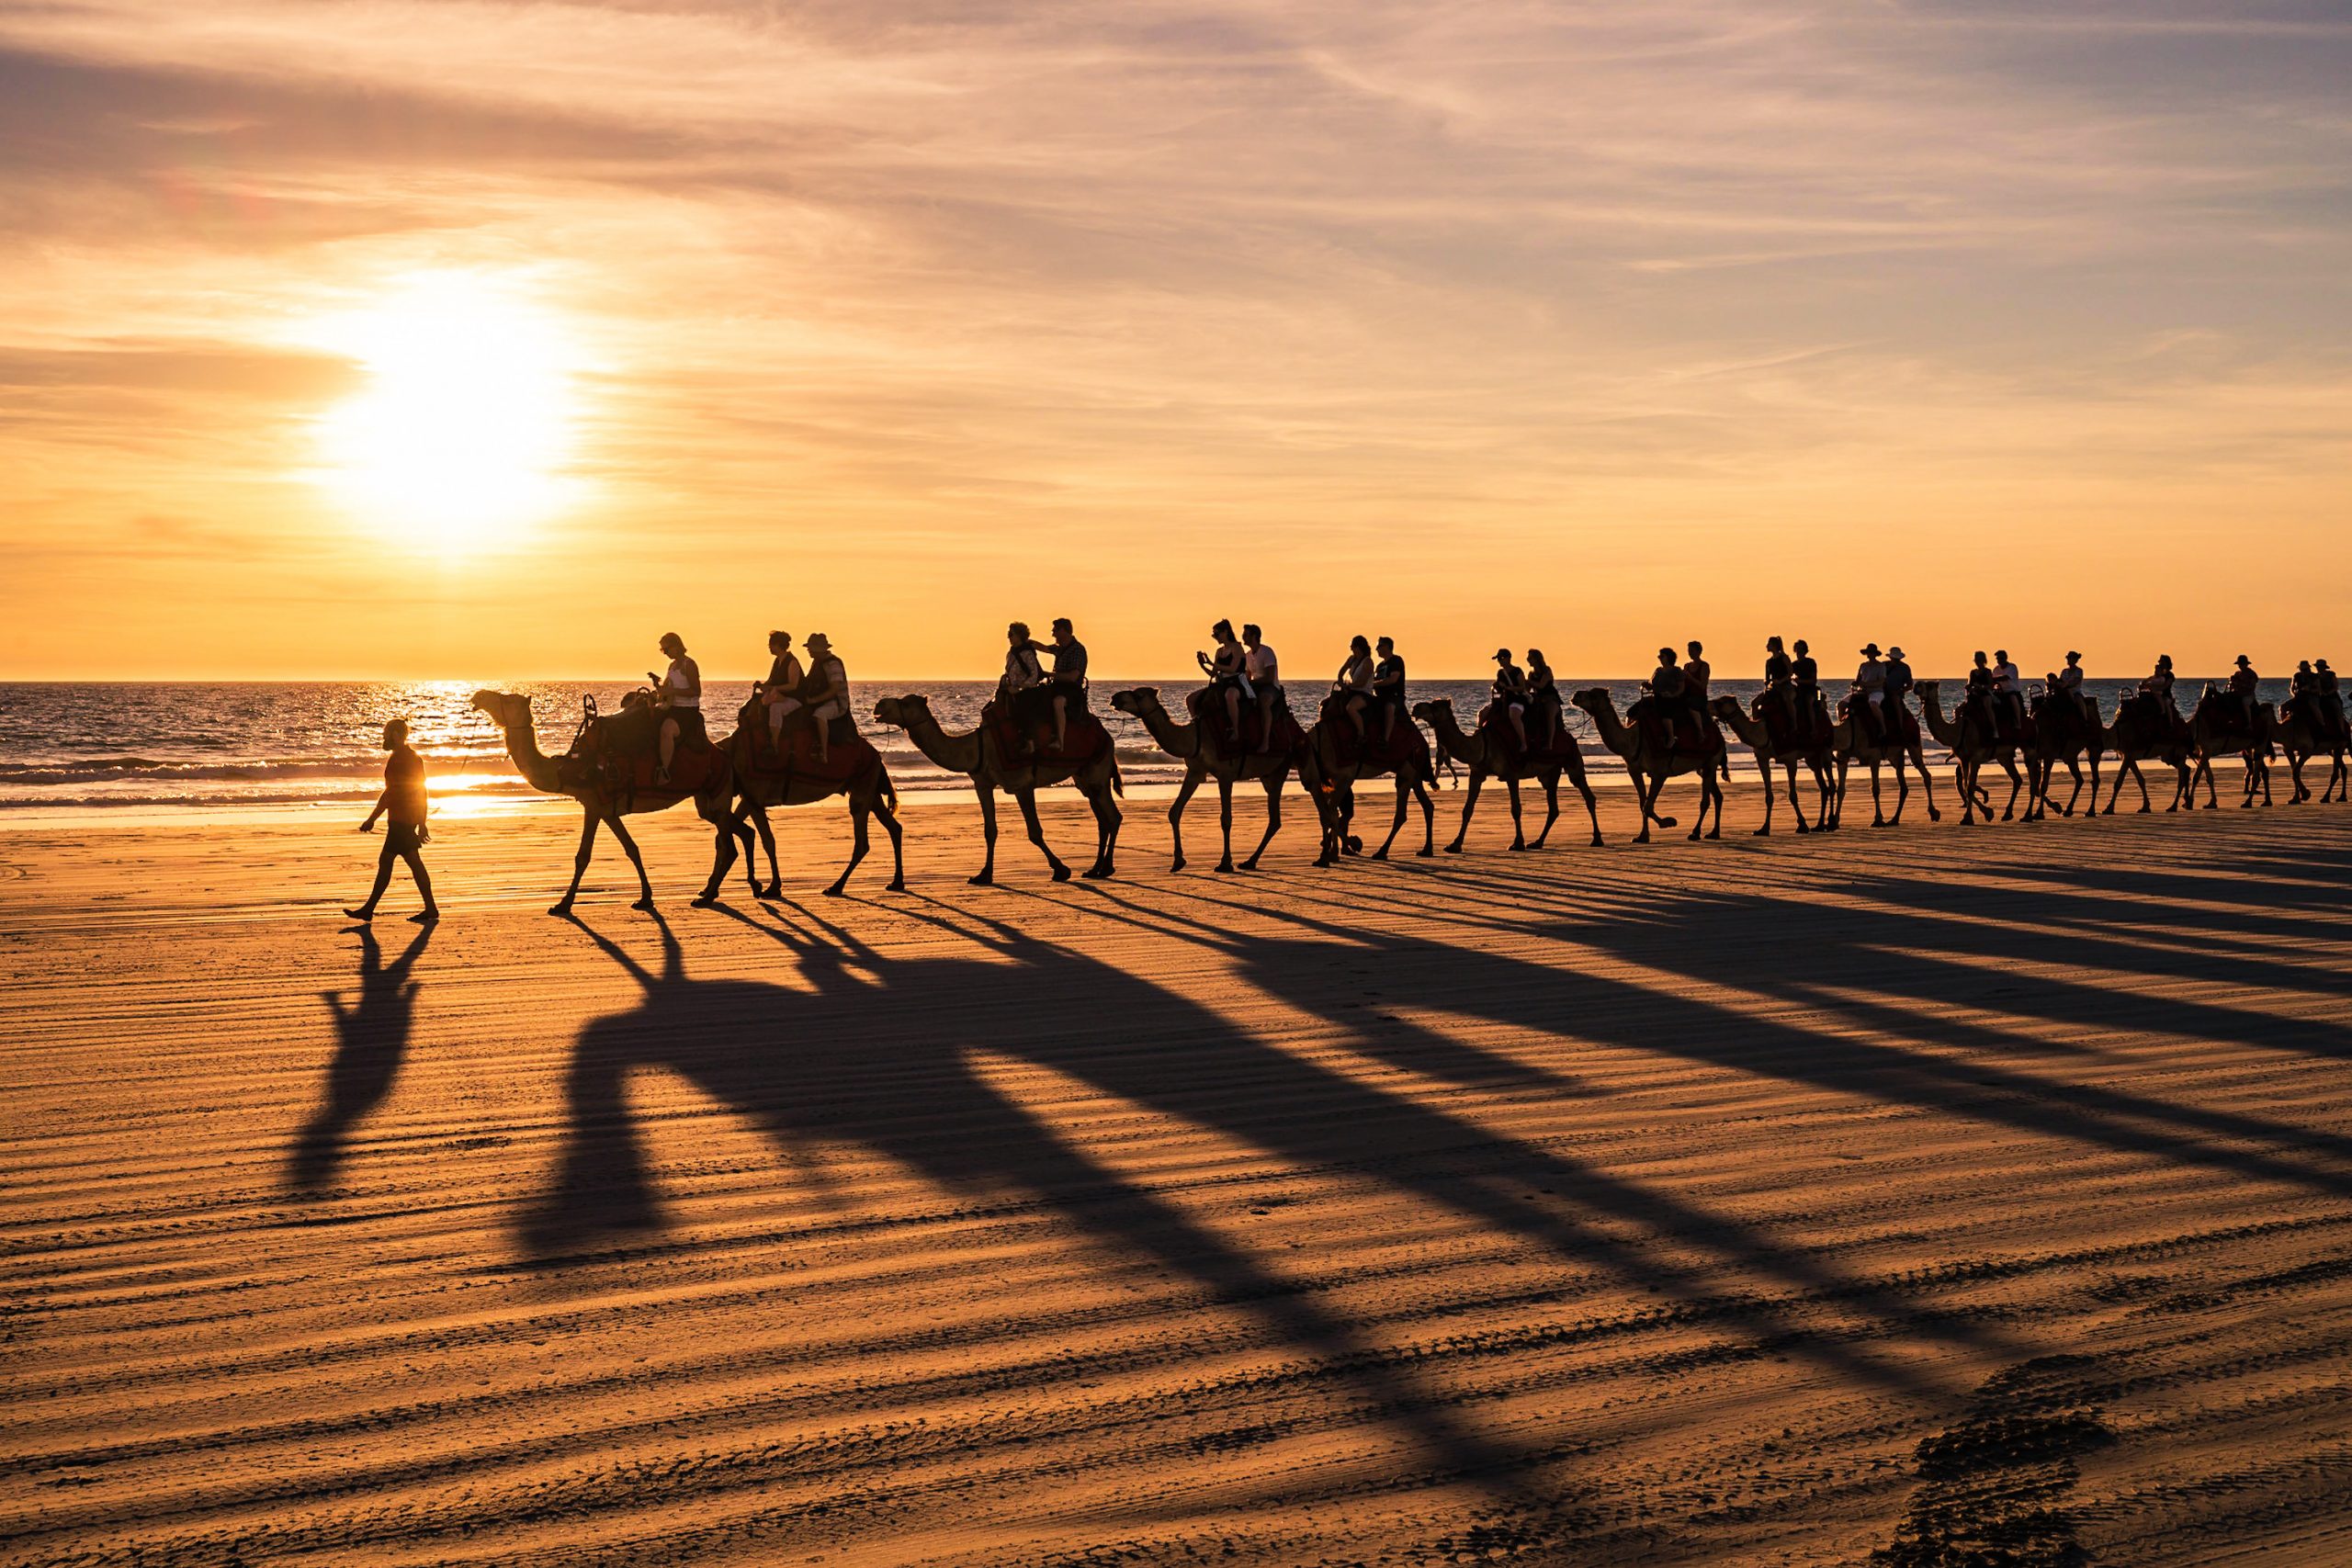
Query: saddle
pixel 1406 751
pixel 1495 727
pixel 1026 732
pixel 848 755
pixel 2224 717
pixel 1676 729
pixel 619 753
pixel 1902 724
pixel 1784 732
pixel 1207 709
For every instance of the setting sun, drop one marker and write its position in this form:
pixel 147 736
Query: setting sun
pixel 461 435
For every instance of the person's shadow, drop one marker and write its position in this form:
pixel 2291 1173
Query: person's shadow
pixel 372 1037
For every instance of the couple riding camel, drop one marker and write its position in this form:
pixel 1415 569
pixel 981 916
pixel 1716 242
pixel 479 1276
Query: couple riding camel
pixel 1533 689
pixel 1796 683
pixel 1678 689
pixel 1880 686
pixel 1031 697
pixel 1365 682
pixel 815 696
pixel 1245 672
pixel 2316 698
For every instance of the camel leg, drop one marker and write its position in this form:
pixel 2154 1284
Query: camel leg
pixel 986 792
pixel 1591 805
pixel 1027 800
pixel 1469 805
pixel 889 819
pixel 1107 817
pixel 1926 782
pixel 644 883
pixel 1648 787
pixel 722 860
pixel 1551 808
pixel 588 821
pixel 1224 821
pixel 1878 809
pixel 1176 815
pixel 1517 821
pixel 1764 772
pixel 2074 772
pixel 858 843
pixel 767 842
pixel 1274 816
pixel 1429 820
pixel 2297 795
pixel 1396 823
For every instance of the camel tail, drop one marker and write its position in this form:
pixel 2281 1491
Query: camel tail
pixel 889 795
pixel 1119 781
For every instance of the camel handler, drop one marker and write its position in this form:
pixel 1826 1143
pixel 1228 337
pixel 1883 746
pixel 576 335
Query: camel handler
pixel 780 692
pixel 403 802
pixel 1511 690
pixel 1869 687
pixel 1068 682
pixel 1266 677
pixel 678 692
pixel 825 691
pixel 1388 687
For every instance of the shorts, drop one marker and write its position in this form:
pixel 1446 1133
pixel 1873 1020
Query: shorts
pixel 690 726
pixel 403 838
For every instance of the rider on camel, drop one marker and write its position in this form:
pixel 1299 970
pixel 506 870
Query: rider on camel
pixel 1780 679
pixel 1068 682
pixel 1228 675
pixel 2008 690
pixel 2068 684
pixel 1805 671
pixel 2331 701
pixel 2246 687
pixel 780 692
pixel 825 691
pixel 678 693
pixel 1388 687
pixel 1266 679
pixel 2158 685
pixel 1697 676
pixel 1543 699
pixel 1352 685
pixel 1666 687
pixel 1869 688
pixel 1510 694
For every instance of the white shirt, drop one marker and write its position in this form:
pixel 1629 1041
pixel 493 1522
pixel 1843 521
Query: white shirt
pixel 2070 678
pixel 684 678
pixel 2005 676
pixel 1871 676
pixel 1021 669
pixel 1263 670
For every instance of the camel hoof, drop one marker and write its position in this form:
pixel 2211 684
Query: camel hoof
pixel 772 890
pixel 1061 872
pixel 1596 841
pixel 1225 869
pixel 701 901
pixel 1354 845
pixel 983 880
pixel 1249 865
pixel 833 890
pixel 1456 849
pixel 896 885
pixel 1176 865
pixel 562 908
pixel 1096 873
pixel 1761 831
pixel 1667 821
pixel 1425 854
pixel 645 904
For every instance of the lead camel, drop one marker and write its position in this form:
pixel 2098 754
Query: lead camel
pixel 1485 757
pixel 604 800
pixel 980 756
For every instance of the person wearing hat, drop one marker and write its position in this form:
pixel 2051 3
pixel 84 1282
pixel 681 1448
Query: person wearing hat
pixel 1870 685
pixel 2246 687
pixel 1511 691
pixel 404 802
pixel 826 691
pixel 1352 685
pixel 1898 685
pixel 2008 690
pixel 2068 684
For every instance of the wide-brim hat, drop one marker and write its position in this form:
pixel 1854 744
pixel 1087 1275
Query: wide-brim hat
pixel 818 639
pixel 1895 653
pixel 2243 659
pixel 1870 650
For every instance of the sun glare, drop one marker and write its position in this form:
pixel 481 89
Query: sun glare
pixel 460 438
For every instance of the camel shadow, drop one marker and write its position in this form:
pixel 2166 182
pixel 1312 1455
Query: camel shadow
pixel 371 1039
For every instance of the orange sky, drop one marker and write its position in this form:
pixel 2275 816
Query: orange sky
pixel 1475 323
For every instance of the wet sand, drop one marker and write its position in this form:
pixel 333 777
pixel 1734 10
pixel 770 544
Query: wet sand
pixel 1786 1200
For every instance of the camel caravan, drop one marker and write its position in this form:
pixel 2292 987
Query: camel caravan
pixel 795 742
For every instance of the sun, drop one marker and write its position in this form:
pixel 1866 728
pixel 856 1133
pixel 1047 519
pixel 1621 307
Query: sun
pixel 462 436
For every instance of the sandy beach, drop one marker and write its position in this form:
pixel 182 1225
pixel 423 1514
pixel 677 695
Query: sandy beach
pixel 1881 1197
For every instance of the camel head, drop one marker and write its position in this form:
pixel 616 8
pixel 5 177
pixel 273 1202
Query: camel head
pixel 1427 711
pixel 1134 702
pixel 506 709
pixel 1594 700
pixel 1727 708
pixel 901 712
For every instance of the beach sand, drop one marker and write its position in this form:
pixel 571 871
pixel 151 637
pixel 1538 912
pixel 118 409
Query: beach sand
pixel 1759 1202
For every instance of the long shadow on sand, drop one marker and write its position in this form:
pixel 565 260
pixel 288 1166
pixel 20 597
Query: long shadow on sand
pixel 371 1038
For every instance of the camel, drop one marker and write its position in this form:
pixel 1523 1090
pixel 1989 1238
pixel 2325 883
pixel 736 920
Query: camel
pixel 1649 768
pixel 1964 736
pixel 2209 738
pixel 2060 735
pixel 1189 744
pixel 2134 739
pixel 1758 737
pixel 1473 751
pixel 2302 740
pixel 1330 774
pixel 713 800
pixel 978 755
pixel 759 790
pixel 1855 745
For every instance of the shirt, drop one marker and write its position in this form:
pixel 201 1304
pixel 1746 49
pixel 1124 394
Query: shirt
pixel 1666 682
pixel 2070 678
pixel 1388 676
pixel 684 678
pixel 1806 670
pixel 1020 668
pixel 1777 669
pixel 2005 676
pixel 1695 676
pixel 1871 676
pixel 1264 670
pixel 404 785
pixel 1069 662
pixel 783 675
pixel 1898 676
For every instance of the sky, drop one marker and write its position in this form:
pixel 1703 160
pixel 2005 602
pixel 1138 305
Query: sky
pixel 469 339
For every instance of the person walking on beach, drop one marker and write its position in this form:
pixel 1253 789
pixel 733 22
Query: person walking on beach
pixel 404 836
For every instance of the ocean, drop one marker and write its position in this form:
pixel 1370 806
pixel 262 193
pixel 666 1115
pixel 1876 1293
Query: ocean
pixel 76 746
